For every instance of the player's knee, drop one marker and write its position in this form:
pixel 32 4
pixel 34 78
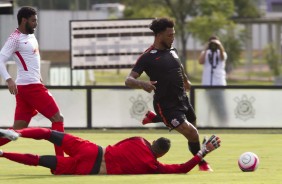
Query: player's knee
pixel 20 124
pixel 186 126
pixel 193 130
pixel 58 117
pixel 61 117
pixel 189 131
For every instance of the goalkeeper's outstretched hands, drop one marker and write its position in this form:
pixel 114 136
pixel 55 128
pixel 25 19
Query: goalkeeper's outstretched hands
pixel 209 145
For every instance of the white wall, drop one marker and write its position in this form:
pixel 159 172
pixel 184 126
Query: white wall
pixel 111 108
pixel 53 27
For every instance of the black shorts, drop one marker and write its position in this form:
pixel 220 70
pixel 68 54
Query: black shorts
pixel 174 116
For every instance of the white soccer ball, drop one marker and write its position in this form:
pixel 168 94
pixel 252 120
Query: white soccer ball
pixel 248 162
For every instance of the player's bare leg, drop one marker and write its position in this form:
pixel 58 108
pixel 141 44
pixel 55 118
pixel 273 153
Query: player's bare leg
pixel 20 124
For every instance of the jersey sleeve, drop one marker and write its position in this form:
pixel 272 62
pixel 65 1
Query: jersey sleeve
pixel 179 168
pixel 3 70
pixel 139 66
pixel 6 52
pixel 9 47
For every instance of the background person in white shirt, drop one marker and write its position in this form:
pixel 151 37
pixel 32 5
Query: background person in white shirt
pixel 213 57
pixel 31 95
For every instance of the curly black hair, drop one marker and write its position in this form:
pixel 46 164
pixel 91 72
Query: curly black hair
pixel 161 145
pixel 25 12
pixel 160 24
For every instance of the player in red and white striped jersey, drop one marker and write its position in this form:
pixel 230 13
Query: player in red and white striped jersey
pixel 31 95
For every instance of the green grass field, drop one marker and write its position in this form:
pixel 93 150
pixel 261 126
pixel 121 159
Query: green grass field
pixel 265 143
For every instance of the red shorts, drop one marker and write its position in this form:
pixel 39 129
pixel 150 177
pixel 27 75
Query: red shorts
pixel 82 158
pixel 34 98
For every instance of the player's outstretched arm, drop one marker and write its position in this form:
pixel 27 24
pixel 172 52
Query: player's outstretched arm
pixel 208 146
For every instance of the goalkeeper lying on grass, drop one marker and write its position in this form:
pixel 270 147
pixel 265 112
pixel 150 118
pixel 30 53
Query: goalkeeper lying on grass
pixel 133 155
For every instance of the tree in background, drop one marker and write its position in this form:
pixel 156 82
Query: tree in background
pixel 271 56
pixel 246 9
pixel 62 4
pixel 180 10
pixel 201 18
pixel 214 19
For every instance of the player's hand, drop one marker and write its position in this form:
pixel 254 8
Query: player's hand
pixel 12 86
pixel 209 145
pixel 187 85
pixel 216 42
pixel 148 86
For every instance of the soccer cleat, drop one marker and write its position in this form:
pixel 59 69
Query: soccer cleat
pixel 9 134
pixel 1 152
pixel 204 166
pixel 148 117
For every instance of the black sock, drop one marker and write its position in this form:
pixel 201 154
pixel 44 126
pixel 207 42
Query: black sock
pixel 48 161
pixel 194 147
pixel 56 137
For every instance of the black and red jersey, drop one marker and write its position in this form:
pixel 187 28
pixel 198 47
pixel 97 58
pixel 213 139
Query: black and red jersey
pixel 163 66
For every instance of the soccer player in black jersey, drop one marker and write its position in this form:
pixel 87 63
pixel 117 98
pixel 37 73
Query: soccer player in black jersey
pixel 169 82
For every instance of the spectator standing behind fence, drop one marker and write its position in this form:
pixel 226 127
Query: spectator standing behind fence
pixel 31 95
pixel 213 58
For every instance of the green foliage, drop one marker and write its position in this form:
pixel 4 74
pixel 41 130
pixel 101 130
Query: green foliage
pixel 62 4
pixel 272 57
pixel 144 9
pixel 225 7
pixel 203 27
pixel 246 9
pixel 233 43
pixel 214 17
pixel 201 18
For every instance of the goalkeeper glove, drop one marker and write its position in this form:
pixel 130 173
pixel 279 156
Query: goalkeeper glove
pixel 209 145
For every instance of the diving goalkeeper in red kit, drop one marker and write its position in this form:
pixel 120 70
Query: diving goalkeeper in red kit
pixel 133 155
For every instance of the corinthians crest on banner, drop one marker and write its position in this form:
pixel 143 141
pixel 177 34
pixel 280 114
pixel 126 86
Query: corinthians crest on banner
pixel 244 109
pixel 139 106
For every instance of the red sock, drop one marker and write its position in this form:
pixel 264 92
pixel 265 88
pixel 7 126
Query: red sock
pixel 27 159
pixel 59 126
pixel 4 141
pixel 35 133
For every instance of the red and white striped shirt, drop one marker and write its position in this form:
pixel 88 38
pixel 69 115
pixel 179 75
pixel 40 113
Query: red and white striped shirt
pixel 25 52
